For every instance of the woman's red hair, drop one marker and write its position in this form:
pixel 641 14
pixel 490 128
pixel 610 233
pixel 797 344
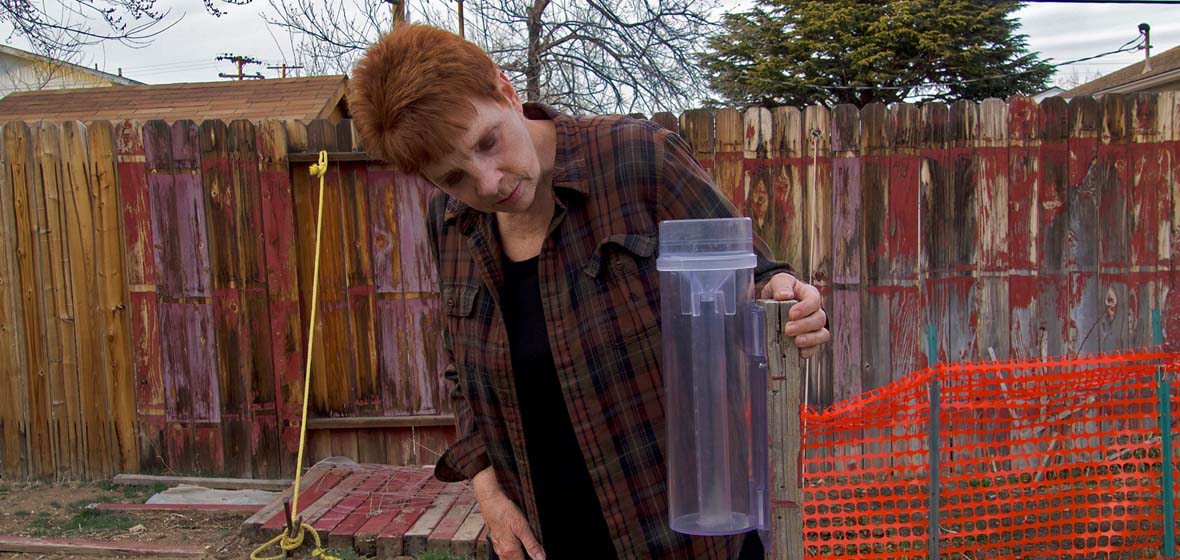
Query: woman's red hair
pixel 410 94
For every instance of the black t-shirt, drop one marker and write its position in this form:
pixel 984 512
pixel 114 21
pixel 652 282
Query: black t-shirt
pixel 571 519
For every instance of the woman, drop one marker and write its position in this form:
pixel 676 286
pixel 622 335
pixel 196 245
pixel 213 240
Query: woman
pixel 544 226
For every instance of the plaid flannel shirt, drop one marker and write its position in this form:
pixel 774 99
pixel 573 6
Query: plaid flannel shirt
pixel 615 178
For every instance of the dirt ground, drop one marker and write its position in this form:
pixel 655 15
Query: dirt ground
pixel 58 511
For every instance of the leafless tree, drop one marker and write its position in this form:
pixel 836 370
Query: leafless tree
pixel 54 25
pixel 583 55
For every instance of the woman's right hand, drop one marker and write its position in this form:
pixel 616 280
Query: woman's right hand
pixel 507 526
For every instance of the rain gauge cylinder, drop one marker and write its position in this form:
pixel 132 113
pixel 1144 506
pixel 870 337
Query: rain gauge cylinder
pixel 714 375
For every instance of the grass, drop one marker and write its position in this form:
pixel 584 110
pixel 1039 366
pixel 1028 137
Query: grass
pixel 344 554
pixel 437 556
pixel 82 522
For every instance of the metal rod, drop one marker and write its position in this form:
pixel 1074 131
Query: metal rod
pixel 933 439
pixel 1163 390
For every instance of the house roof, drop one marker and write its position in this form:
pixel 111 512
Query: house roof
pixel 26 55
pixel 1163 65
pixel 288 98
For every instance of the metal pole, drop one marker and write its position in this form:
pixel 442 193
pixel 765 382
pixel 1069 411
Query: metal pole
pixel 1163 391
pixel 461 33
pixel 933 439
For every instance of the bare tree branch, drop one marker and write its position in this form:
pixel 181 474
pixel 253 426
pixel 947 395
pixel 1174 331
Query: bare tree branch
pixel 52 26
pixel 586 56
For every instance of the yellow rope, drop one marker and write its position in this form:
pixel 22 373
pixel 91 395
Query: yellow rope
pixel 288 542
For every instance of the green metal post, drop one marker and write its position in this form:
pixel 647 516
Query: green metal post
pixel 933 439
pixel 1163 390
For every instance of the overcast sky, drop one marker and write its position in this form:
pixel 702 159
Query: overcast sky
pixel 185 53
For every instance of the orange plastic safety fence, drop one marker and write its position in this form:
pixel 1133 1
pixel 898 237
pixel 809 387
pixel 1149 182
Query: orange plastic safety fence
pixel 1054 458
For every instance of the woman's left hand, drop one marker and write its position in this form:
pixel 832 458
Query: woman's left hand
pixel 806 321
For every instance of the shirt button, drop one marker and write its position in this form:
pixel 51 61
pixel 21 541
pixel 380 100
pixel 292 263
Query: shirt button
pixel 618 265
pixel 450 302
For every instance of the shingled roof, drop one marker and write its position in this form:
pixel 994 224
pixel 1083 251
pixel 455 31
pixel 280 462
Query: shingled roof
pixel 320 97
pixel 1165 68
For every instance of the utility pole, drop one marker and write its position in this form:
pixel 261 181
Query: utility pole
pixel 397 8
pixel 241 61
pixel 461 33
pixel 1145 31
pixel 284 68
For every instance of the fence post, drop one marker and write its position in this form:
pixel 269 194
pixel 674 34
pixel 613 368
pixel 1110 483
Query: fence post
pixel 784 398
pixel 933 439
pixel 1163 392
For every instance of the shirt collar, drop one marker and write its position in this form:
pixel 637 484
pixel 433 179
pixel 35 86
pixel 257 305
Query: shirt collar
pixel 569 165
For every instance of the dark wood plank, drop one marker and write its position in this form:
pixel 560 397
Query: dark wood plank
pixel 1085 176
pixel 817 231
pixel 758 169
pixel 370 446
pixel 1170 106
pixel 333 390
pixel 697 128
pixel 282 289
pixel 258 371
pixel 113 303
pixel 14 461
pixel 1147 216
pixel 904 203
pixel 359 276
pixel 847 252
pixel 877 284
pixel 131 143
pixel 1024 161
pixel 1114 185
pixel 937 200
pixel 1052 226
pixel 727 159
pixel 994 324
pixel 785 215
pixel 231 344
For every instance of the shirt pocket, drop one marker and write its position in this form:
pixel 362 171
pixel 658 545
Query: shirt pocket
pixel 468 329
pixel 626 283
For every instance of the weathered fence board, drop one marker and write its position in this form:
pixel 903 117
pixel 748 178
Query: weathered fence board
pixel 286 334
pixel 112 298
pixel 817 231
pixel 80 224
pixel 13 359
pixel 61 345
pixel 1084 184
pixel 25 183
pixel 906 352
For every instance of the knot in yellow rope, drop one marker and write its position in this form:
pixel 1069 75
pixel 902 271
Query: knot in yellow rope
pixel 288 544
pixel 318 169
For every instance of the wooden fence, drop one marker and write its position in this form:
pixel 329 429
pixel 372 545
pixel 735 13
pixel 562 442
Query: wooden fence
pixel 155 278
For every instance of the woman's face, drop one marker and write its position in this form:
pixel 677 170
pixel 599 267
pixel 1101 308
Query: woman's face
pixel 496 167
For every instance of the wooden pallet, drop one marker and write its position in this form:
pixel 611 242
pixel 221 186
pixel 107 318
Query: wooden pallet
pixel 383 510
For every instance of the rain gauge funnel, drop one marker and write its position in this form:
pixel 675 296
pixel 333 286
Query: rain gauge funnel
pixel 715 377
